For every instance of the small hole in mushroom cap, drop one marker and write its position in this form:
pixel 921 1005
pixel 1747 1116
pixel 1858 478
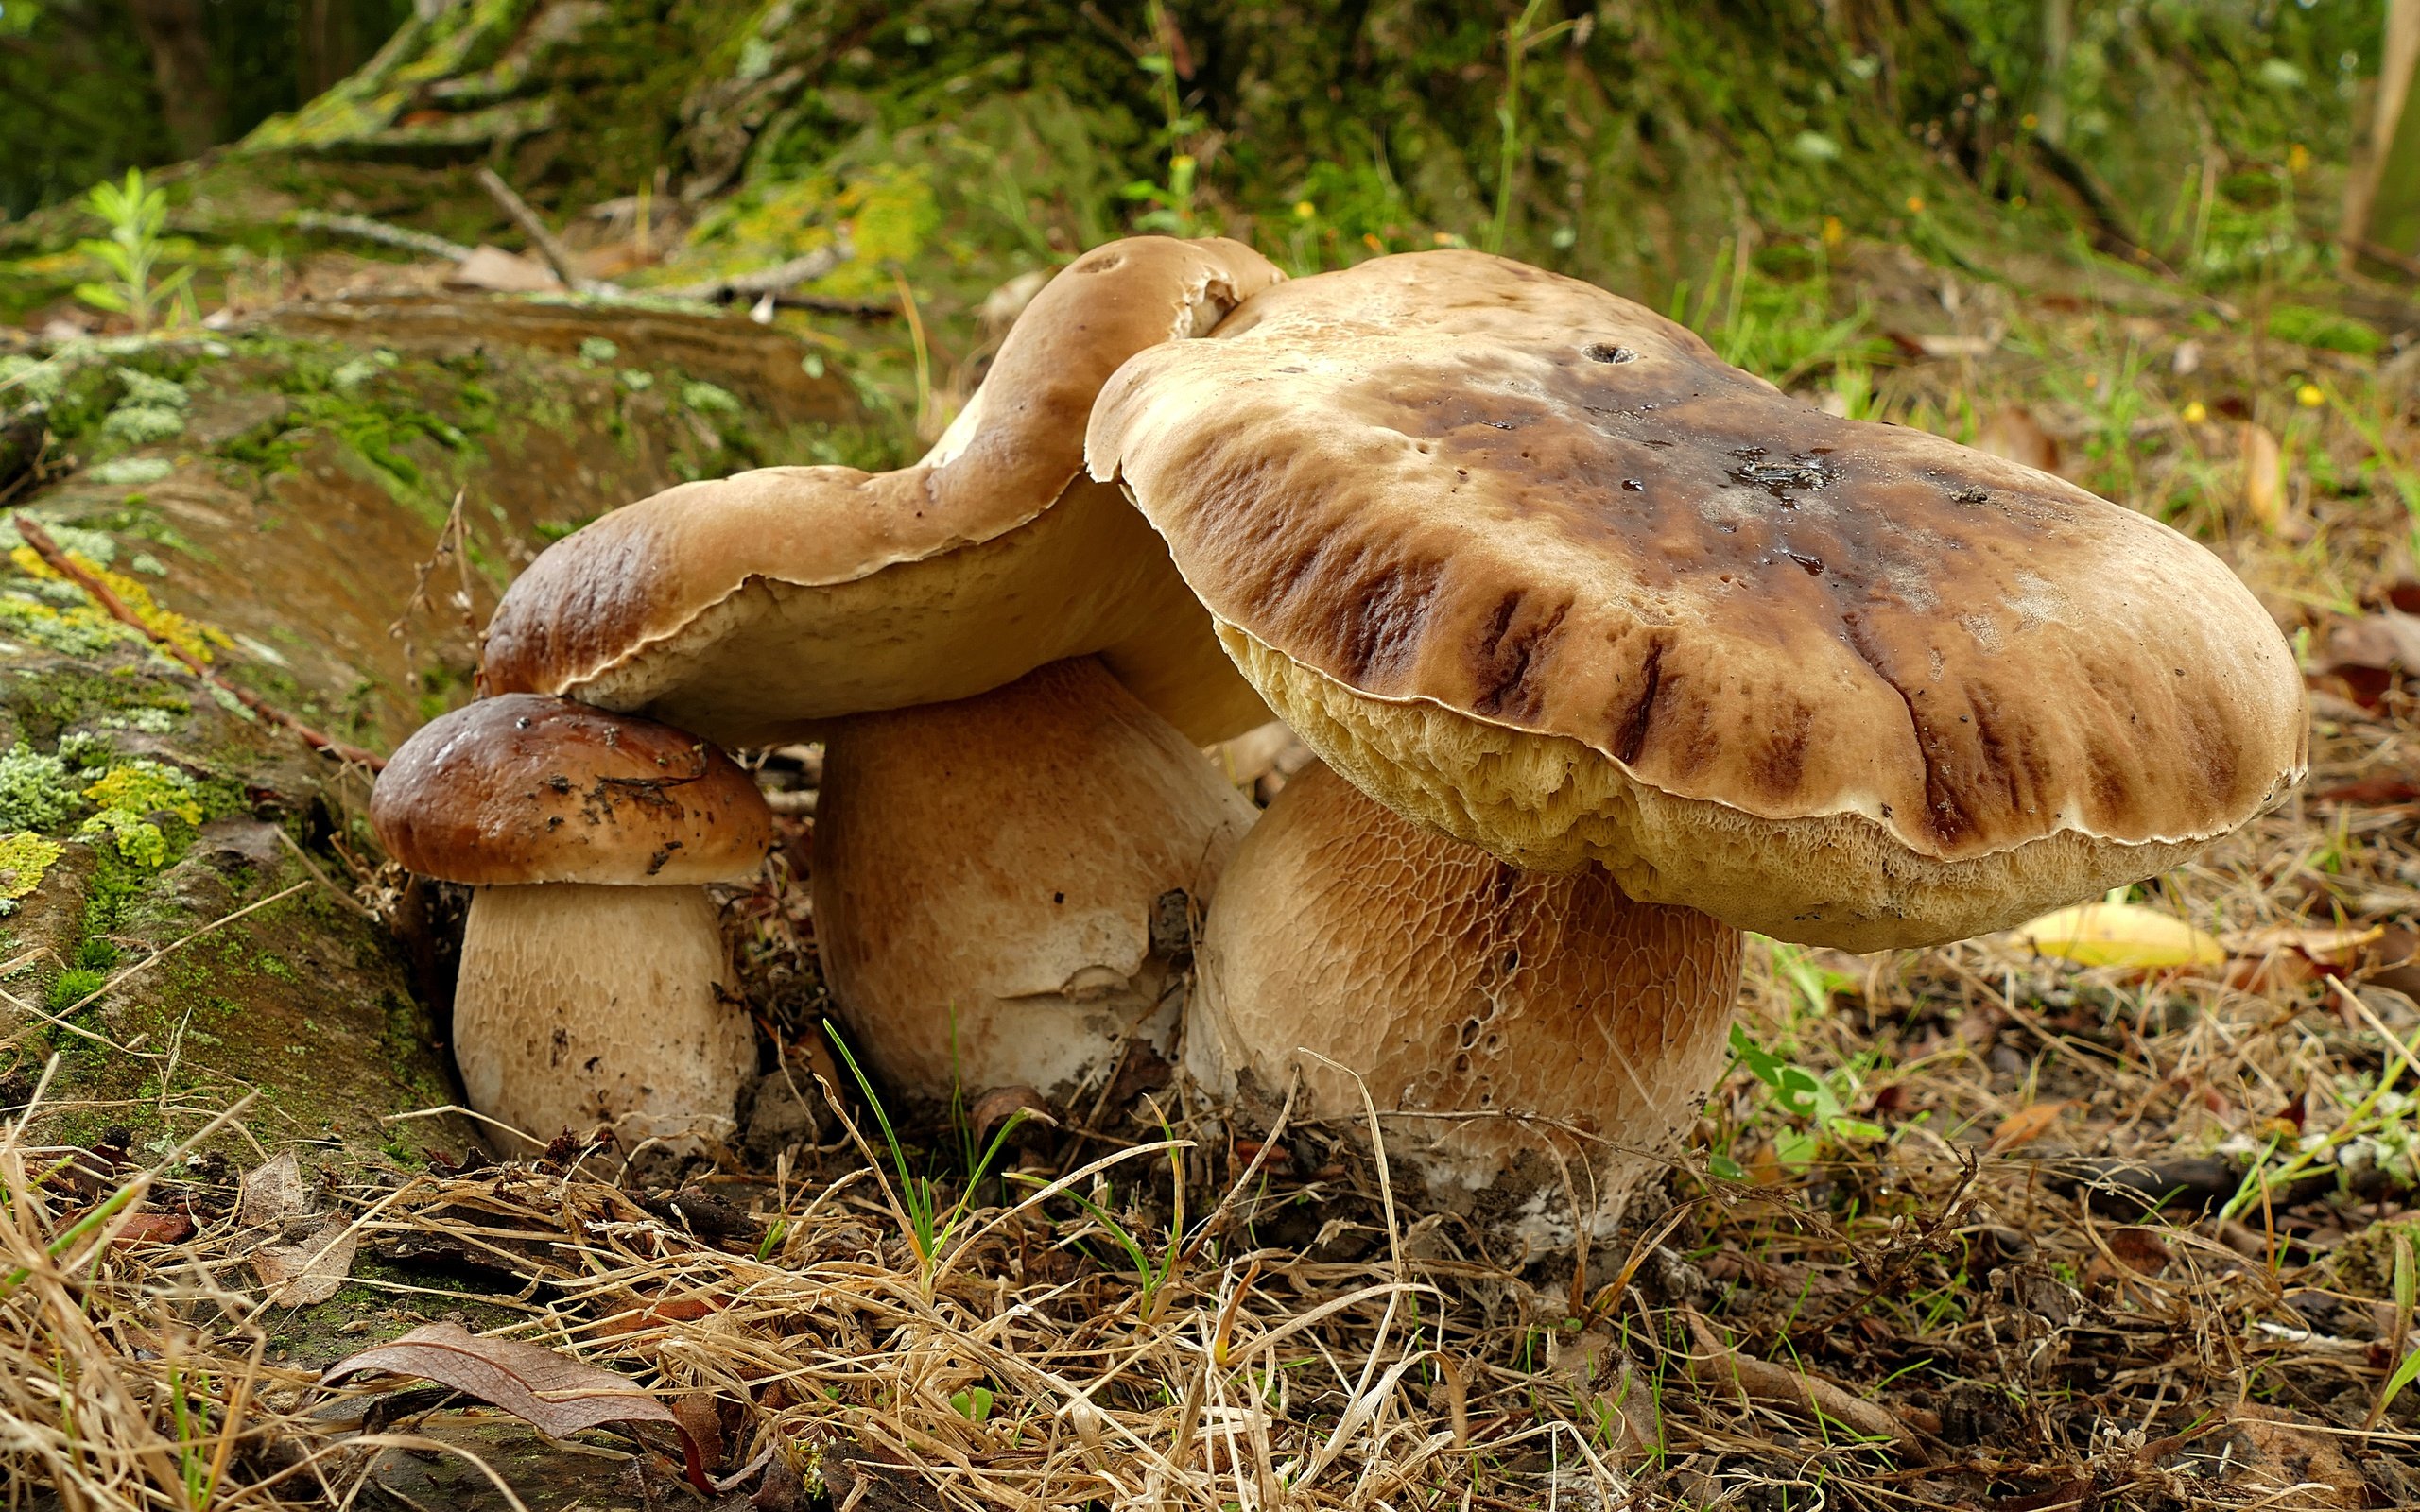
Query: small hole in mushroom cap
pixel 1607 351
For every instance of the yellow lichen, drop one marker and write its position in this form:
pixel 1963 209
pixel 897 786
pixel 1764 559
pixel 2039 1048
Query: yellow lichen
pixel 142 788
pixel 188 635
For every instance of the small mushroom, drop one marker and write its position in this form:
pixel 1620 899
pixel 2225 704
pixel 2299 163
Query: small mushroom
pixel 1004 886
pixel 595 983
pixel 1548 1037
pixel 1528 564
pixel 750 607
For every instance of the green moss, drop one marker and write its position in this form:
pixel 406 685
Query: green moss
pixel 2313 327
pixel 72 986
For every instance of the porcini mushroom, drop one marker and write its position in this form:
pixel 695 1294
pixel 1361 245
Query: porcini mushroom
pixel 750 607
pixel 595 985
pixel 767 605
pixel 1550 1035
pixel 1004 885
pixel 1526 563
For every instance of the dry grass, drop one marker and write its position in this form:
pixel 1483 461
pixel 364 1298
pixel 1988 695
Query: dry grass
pixel 1952 1294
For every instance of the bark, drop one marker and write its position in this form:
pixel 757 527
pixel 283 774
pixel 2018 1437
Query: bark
pixel 195 910
pixel 177 35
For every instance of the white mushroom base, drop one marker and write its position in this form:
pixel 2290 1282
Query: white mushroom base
pixel 581 1004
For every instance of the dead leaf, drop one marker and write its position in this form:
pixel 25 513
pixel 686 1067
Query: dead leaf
pixel 997 1107
pixel 701 1420
pixel 305 1257
pixel 553 1393
pixel 496 271
pixel 2106 934
pixel 152 1229
pixel 274 1193
pixel 2015 434
pixel 2275 1450
pixel 306 1271
pixel 2028 1124
pixel 2264 477
pixel 2140 1250
pixel 2386 641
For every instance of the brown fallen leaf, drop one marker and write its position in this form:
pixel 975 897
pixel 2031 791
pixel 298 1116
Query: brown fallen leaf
pixel 307 1271
pixel 2275 1450
pixel 273 1193
pixel 2140 1250
pixel 555 1394
pixel 303 1257
pixel 2028 1124
pixel 152 1229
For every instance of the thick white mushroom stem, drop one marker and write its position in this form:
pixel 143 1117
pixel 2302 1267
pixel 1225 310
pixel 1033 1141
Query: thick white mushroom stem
pixel 1548 1038
pixel 584 1003
pixel 1003 883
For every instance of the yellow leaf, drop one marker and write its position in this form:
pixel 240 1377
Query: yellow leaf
pixel 2106 934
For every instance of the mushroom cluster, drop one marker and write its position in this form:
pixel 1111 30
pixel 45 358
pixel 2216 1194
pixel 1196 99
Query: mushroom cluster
pixel 1611 652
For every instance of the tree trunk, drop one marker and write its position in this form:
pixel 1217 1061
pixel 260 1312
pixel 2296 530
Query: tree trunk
pixel 193 907
pixel 2382 194
pixel 177 35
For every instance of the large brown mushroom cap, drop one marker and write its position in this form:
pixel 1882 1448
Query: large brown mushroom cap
pixel 1527 561
pixel 525 788
pixel 1547 1010
pixel 750 607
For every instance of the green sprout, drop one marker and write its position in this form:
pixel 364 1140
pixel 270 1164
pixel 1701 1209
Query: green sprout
pixel 137 217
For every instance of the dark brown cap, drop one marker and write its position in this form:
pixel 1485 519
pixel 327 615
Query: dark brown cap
pixel 1529 563
pixel 525 788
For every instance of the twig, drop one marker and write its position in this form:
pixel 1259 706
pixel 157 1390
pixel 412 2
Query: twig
pixel 365 229
pixel 558 256
pixel 1762 1381
pixel 774 280
pixel 101 594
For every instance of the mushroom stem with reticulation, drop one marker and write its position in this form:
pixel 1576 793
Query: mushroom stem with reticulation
pixel 1543 1038
pixel 595 987
pixel 1005 885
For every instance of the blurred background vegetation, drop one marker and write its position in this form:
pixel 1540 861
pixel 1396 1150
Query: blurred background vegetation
pixel 90 87
pixel 1642 126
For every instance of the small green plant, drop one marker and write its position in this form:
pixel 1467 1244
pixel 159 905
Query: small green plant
pixel 974 1404
pixel 137 217
pixel 929 1224
pixel 1172 201
pixel 1810 1108
pixel 1522 35
pixel 1155 1273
